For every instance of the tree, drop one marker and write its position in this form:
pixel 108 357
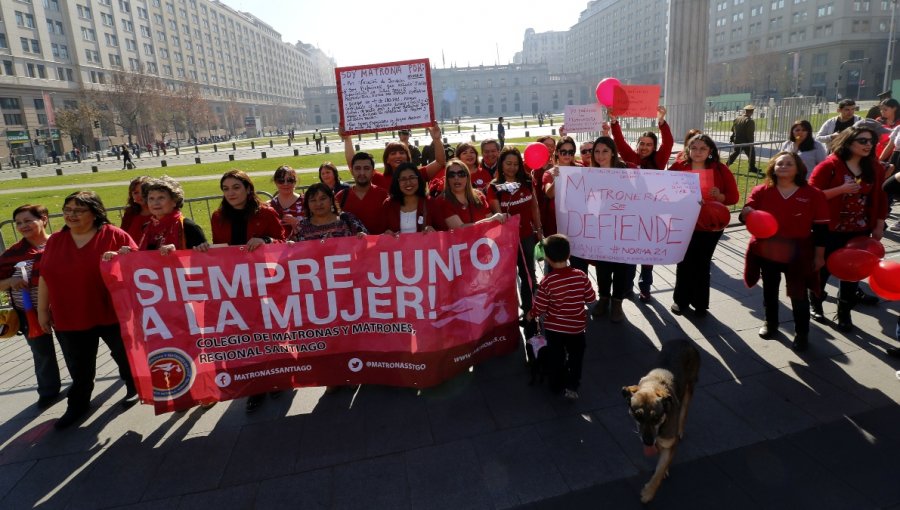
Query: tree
pixel 130 97
pixel 233 114
pixel 76 118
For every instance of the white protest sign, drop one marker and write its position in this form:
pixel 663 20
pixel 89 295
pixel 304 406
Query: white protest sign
pixel 584 118
pixel 627 215
pixel 381 97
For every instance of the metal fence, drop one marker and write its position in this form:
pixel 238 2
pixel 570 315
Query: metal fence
pixel 199 209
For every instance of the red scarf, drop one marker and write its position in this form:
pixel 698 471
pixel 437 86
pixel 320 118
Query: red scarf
pixel 168 230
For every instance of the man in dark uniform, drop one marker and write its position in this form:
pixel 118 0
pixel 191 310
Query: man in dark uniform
pixel 743 131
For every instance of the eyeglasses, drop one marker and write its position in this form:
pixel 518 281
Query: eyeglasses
pixel 285 181
pixel 864 141
pixel 77 211
pixel 563 152
pixel 20 224
pixel 585 151
pixel 461 173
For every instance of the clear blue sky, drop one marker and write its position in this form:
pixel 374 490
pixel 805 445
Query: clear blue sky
pixel 469 32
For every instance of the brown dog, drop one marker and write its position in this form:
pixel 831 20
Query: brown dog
pixel 659 404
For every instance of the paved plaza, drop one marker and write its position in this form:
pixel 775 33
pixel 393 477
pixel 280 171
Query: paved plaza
pixel 768 428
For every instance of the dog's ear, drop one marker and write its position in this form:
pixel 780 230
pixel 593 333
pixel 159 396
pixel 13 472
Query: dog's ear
pixel 628 391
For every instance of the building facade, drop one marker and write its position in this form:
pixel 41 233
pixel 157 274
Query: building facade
pixel 621 38
pixel 51 49
pixel 827 48
pixel 545 48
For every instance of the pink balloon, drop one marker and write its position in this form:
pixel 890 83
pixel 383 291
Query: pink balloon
pixel 882 292
pixel 761 224
pixel 606 90
pixel 851 265
pixel 867 244
pixel 536 155
pixel 886 275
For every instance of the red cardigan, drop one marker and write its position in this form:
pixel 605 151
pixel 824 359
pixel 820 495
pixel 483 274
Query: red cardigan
pixel 265 223
pixel 391 211
pixel 830 174
pixel 723 179
pixel 663 152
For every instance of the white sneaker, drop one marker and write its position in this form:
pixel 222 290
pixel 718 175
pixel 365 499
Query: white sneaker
pixel 571 395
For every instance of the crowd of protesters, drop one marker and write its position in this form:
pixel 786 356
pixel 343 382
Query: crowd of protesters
pixel 821 202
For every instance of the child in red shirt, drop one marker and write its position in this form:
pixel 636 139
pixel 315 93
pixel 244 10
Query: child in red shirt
pixel 560 299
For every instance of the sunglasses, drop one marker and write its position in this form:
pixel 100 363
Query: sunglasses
pixel 563 152
pixel 285 181
pixel 864 141
pixel 585 151
pixel 461 173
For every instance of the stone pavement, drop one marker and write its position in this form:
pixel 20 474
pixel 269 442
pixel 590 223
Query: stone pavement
pixel 768 429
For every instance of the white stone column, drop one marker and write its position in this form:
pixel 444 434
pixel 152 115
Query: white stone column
pixel 686 65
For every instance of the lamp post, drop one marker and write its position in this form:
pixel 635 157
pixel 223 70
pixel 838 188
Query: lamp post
pixel 889 61
pixel 795 83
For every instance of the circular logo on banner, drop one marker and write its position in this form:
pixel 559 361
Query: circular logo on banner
pixel 223 379
pixel 355 365
pixel 171 372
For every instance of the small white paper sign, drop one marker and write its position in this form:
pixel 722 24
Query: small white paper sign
pixel 584 118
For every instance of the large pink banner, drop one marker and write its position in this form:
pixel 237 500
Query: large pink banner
pixel 408 311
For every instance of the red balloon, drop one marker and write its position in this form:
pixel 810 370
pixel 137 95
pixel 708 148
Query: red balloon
pixel 536 155
pixel 714 216
pixel 606 91
pixel 886 275
pixel 867 244
pixel 761 224
pixel 882 292
pixel 851 265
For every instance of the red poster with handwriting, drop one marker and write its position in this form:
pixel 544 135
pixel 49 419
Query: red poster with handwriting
pixel 638 101
pixel 408 311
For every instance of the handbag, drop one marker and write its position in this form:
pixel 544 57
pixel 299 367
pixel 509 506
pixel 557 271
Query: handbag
pixel 9 323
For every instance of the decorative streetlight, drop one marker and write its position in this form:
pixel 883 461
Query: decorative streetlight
pixel 889 61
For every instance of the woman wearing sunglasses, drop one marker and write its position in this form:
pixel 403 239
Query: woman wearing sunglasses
pixel 565 156
pixel 287 202
pixel 460 205
pixel 851 178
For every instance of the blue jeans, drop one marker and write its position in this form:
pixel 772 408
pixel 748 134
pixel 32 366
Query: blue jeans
pixel 46 368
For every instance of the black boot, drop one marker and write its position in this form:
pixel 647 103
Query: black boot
pixel 801 342
pixel 815 308
pixel 844 323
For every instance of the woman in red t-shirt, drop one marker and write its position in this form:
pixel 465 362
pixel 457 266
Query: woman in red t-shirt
pixel 798 247
pixel 19 274
pixel 287 203
pixel 73 300
pixel 565 156
pixel 243 219
pixel 692 273
pixel 613 278
pixel 851 178
pixel 136 212
pixel 407 208
pixel 460 205
pixel 511 192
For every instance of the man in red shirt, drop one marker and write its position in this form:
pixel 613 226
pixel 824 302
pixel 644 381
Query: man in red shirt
pixel 364 199
pixel 490 153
